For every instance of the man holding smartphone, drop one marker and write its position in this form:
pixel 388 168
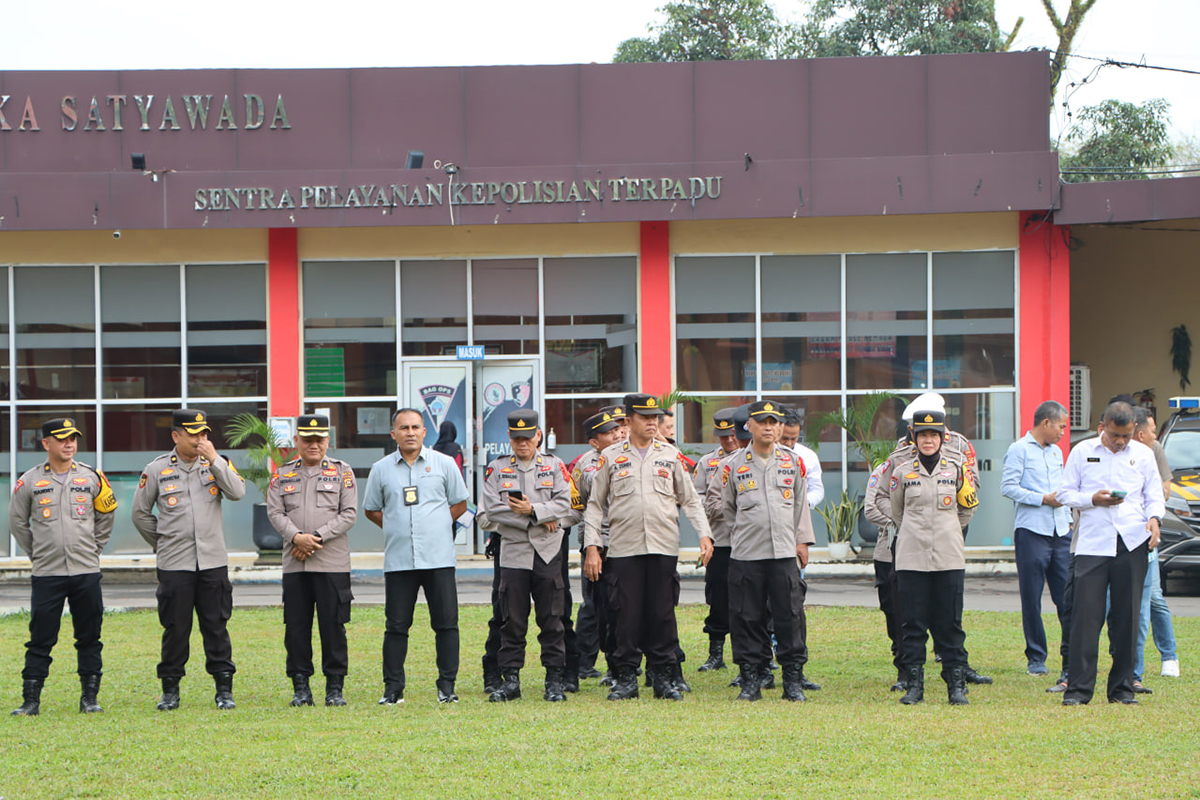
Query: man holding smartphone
pixel 524 497
pixel 1114 482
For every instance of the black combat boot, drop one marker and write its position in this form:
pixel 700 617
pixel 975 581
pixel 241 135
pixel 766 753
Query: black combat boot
pixel 661 679
pixel 971 676
pixel 766 678
pixel 681 685
pixel 510 689
pixel 170 695
pixel 792 688
pixel 808 685
pixel 89 688
pixel 554 685
pixel 570 677
pixel 492 679
pixel 224 695
pixel 333 690
pixel 626 686
pixel 901 683
pixel 956 687
pixel 751 687
pixel 31 696
pixel 716 655
pixel 302 694
pixel 914 686
pixel 586 671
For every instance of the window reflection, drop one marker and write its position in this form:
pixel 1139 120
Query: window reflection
pixel 433 299
pixel 55 326
pixel 591 324
pixel 714 323
pixel 140 331
pixel 349 328
pixel 227 330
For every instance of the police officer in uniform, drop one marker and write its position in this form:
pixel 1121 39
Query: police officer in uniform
pixel 640 485
pixel 877 508
pixel 61 514
pixel 602 430
pixel 931 500
pixel 525 496
pixel 764 495
pixel 313 502
pixel 188 537
pixel 716 574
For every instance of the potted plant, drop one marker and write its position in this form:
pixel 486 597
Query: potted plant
pixel 858 421
pixel 841 518
pixel 262 458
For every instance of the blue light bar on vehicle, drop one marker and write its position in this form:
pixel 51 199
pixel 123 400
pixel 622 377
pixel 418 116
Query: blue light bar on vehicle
pixel 1184 402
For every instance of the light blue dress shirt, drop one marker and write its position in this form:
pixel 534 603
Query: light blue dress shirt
pixel 1031 472
pixel 420 536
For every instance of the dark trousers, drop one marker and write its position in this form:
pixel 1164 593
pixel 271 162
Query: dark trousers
pixel 491 647
pixel 83 597
pixel 761 592
pixel 931 603
pixel 400 601
pixel 716 593
pixel 587 624
pixel 1065 614
pixel 209 594
pixel 1041 561
pixel 642 601
pixel 1121 577
pixel 330 595
pixel 885 587
pixel 543 585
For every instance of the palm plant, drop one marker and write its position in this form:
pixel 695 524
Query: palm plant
pixel 841 518
pixel 263 457
pixel 857 421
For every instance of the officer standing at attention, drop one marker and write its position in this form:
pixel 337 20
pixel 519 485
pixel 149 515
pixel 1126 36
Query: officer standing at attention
pixel 595 629
pixel 640 485
pixel 764 496
pixel 525 495
pixel 716 573
pixel 61 514
pixel 932 501
pixel 188 538
pixel 313 503
pixel 415 494
pixel 877 508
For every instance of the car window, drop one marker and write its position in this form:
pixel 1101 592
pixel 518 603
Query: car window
pixel 1183 449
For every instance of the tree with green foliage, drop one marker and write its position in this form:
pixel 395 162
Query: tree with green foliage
pixel 1116 140
pixel 713 30
pixel 912 27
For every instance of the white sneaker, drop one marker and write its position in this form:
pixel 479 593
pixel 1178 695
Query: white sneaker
pixel 1170 669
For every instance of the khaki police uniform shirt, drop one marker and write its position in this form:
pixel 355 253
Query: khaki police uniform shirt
pixel 641 497
pixel 188 533
pixel 929 520
pixel 765 502
pixel 708 477
pixel 877 504
pixel 321 499
pixel 545 484
pixel 583 476
pixel 56 523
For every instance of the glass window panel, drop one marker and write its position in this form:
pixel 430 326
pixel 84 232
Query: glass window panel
pixel 227 330
pixel 4 337
pixel 433 299
pixel 29 433
pixel 591 335
pixel 714 322
pixel 55 327
pixel 5 478
pixel 801 322
pixel 140 331
pixel 973 345
pixel 693 421
pixel 134 435
pixel 885 319
pixel 566 417
pixel 505 305
pixel 989 421
pixel 349 328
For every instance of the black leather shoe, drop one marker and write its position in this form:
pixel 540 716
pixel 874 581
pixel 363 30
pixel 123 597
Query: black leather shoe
pixel 333 690
pixel 31 696
pixel 445 698
pixel 509 690
pixel 1072 701
pixel 589 672
pixel 1138 688
pixel 808 685
pixel 301 693
pixel 1059 687
pixel 392 697
pixel 1128 701
pixel 224 696
pixel 750 677
pixel 971 676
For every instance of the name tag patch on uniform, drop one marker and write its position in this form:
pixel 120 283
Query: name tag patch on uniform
pixel 1093 461
pixel 410 495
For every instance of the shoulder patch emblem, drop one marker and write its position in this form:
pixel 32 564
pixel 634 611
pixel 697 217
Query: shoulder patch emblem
pixel 873 482
pixel 21 483
pixel 142 481
pixel 599 462
pixel 487 473
pixel 894 483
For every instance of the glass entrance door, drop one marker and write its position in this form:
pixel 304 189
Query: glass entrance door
pixel 476 397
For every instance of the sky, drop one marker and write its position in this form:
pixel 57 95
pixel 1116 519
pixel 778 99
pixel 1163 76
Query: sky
pixel 182 34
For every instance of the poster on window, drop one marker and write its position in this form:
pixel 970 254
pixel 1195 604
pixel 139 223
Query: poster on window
pixel 503 388
pixel 440 394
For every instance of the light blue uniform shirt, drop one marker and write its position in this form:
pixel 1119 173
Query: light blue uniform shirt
pixel 1032 471
pixel 420 536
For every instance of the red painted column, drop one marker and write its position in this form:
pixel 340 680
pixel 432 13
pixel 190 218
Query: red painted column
pixel 655 343
pixel 283 323
pixel 1045 335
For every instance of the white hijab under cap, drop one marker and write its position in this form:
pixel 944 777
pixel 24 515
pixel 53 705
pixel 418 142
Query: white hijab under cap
pixel 930 401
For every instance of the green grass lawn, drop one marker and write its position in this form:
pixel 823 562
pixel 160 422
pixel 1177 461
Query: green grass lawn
pixel 851 739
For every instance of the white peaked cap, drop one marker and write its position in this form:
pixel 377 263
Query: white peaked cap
pixel 930 401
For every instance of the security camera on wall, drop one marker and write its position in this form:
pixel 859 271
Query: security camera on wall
pixel 116 234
